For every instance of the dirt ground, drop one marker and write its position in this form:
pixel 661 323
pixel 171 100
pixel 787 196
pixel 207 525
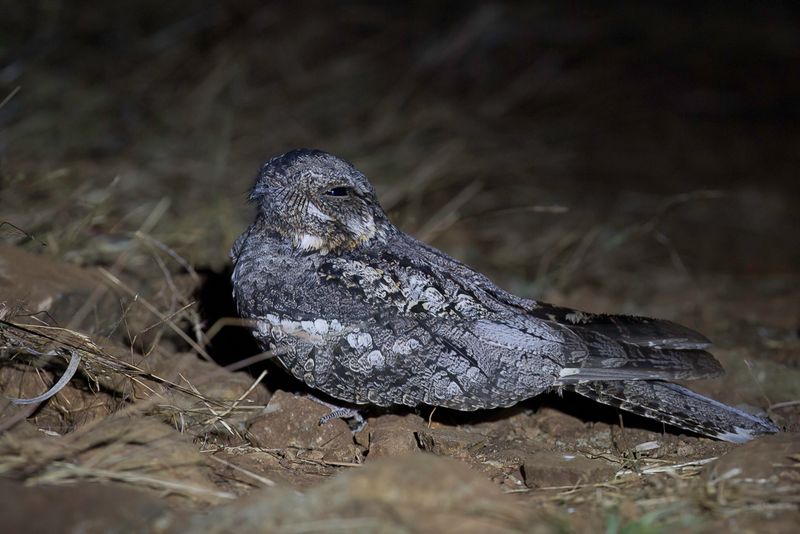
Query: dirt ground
pixel 636 159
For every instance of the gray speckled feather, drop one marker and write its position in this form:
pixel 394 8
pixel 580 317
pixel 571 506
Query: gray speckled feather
pixel 369 315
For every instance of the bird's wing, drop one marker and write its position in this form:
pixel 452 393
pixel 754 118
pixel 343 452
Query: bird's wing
pixel 624 347
pixel 595 346
pixel 476 345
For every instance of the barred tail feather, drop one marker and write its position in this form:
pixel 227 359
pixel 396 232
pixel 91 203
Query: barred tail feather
pixel 680 407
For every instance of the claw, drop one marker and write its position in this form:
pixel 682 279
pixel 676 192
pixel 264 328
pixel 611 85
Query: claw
pixel 341 412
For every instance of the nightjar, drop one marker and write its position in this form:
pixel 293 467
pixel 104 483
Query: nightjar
pixel 367 314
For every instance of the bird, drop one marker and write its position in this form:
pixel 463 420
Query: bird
pixel 357 309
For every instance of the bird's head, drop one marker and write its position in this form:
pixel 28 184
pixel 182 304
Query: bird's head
pixel 318 201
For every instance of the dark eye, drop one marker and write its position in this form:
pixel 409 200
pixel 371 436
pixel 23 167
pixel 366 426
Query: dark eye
pixel 338 192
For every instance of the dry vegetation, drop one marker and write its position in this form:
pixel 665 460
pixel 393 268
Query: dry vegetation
pixel 640 160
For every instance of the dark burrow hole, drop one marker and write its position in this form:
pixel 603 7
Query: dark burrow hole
pixel 233 344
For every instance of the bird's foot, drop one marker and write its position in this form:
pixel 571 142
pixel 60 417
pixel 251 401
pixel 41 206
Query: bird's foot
pixel 341 412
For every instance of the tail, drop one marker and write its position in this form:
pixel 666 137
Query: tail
pixel 678 406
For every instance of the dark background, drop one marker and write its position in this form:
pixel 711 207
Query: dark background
pixel 477 122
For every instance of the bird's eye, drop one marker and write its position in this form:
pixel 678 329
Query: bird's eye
pixel 338 192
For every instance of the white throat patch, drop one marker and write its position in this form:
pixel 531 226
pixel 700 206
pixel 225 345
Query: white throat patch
pixel 308 242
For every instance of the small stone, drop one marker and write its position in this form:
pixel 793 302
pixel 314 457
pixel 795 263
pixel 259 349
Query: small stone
pixel 292 421
pixel 393 435
pixel 549 469
pixel 451 441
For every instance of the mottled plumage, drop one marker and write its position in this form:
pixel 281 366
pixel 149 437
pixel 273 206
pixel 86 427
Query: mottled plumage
pixel 369 315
